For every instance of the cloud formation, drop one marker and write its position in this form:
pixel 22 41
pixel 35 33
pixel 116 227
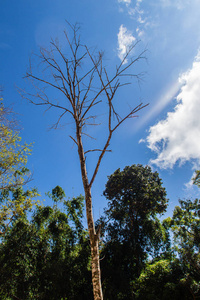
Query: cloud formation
pixel 125 40
pixel 177 138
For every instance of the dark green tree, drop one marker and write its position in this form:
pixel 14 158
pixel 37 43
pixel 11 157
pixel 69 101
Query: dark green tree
pixel 162 280
pixel 185 225
pixel 175 277
pixel 135 198
pixel 47 257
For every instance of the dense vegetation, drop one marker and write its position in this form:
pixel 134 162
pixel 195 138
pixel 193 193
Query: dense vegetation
pixel 47 255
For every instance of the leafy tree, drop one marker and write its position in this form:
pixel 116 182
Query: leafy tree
pixel 196 179
pixel 13 172
pixel 47 257
pixel 15 202
pixel 13 154
pixel 178 276
pixel 161 280
pixel 82 94
pixel 135 197
pixel 185 225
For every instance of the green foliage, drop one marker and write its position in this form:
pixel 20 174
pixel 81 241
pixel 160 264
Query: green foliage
pixel 135 197
pixel 57 194
pixel 176 277
pixel 75 211
pixel 139 187
pixel 15 203
pixel 13 154
pixel 196 179
pixel 185 225
pixel 13 172
pixel 46 257
pixel 161 280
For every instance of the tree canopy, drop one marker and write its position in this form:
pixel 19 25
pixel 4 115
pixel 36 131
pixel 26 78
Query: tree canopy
pixel 133 233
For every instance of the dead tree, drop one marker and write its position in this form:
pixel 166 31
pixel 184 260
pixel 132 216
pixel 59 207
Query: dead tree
pixel 81 91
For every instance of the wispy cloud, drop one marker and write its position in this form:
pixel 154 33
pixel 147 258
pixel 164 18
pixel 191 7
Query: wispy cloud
pixel 151 15
pixel 135 11
pixel 139 32
pixel 125 1
pixel 176 139
pixel 125 40
pixel 162 101
pixel 179 4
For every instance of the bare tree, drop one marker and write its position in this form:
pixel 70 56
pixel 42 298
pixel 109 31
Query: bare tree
pixel 81 90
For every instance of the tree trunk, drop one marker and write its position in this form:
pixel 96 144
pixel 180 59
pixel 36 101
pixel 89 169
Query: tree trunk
pixel 96 273
pixel 94 237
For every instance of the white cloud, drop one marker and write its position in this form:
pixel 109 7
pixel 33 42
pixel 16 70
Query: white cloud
pixel 177 138
pixel 141 20
pixel 136 8
pixel 140 32
pixel 125 40
pixel 125 1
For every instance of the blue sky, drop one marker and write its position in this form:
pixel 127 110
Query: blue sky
pixel 166 134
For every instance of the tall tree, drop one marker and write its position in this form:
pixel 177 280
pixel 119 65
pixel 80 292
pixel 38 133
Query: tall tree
pixel 81 91
pixel 135 198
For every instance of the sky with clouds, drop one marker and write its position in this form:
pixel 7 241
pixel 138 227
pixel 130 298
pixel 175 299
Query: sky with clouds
pixel 167 133
pixel 176 138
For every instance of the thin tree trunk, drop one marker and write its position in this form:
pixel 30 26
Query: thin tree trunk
pixel 96 273
pixel 94 237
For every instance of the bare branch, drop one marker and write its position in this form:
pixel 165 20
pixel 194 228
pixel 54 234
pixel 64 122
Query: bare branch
pixel 93 150
pixel 130 115
pixel 88 135
pixel 73 140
